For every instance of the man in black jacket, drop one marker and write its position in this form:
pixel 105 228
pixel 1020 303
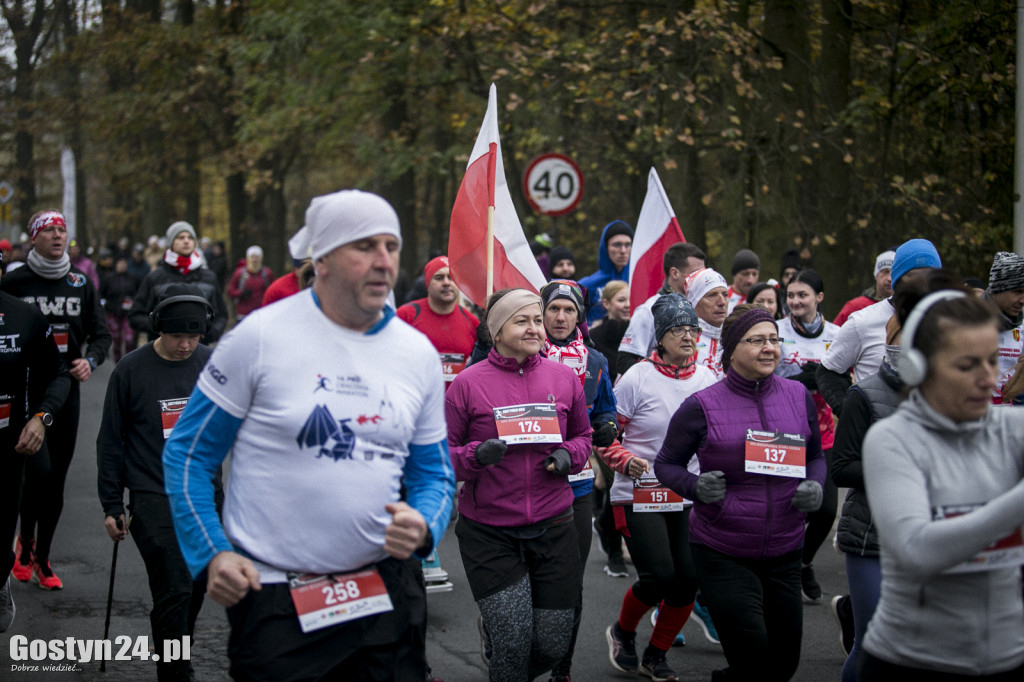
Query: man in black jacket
pixel 33 385
pixel 146 393
pixel 181 264
pixel 68 300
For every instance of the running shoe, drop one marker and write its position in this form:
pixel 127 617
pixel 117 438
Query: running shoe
pixel 486 650
pixel 621 649
pixel 809 586
pixel 616 567
pixel 6 605
pixel 22 570
pixel 658 669
pixel 842 611
pixel 679 640
pixel 48 580
pixel 703 619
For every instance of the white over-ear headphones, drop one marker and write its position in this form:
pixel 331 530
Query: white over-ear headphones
pixel 913 364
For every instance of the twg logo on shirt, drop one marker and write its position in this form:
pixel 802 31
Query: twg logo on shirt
pixel 60 305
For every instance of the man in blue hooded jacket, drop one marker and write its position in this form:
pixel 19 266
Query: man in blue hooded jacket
pixel 612 263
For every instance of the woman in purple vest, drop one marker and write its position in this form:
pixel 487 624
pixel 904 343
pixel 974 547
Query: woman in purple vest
pixel 757 440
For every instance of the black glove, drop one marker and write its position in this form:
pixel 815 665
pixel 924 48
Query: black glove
pixel 711 486
pixel 808 376
pixel 246 294
pixel 604 434
pixel 490 452
pixel 808 496
pixel 560 460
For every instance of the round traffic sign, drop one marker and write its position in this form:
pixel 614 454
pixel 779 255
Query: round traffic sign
pixel 553 184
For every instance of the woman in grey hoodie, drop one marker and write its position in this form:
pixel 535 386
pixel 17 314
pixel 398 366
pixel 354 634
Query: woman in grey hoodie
pixel 944 480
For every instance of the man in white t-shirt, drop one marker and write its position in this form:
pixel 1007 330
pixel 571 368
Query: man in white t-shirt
pixel 679 261
pixel 340 479
pixel 860 343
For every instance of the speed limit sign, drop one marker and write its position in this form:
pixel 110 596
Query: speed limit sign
pixel 553 184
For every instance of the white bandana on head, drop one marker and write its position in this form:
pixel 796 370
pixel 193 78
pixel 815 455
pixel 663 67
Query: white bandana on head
pixel 700 282
pixel 333 220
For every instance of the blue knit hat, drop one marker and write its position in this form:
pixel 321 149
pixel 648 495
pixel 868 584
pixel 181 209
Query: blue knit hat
pixel 913 254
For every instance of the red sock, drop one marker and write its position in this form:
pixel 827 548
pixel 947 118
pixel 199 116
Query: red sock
pixel 632 611
pixel 670 621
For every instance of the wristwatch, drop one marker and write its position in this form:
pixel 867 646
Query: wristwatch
pixel 45 417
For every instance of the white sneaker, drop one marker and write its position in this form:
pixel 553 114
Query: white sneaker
pixel 6 606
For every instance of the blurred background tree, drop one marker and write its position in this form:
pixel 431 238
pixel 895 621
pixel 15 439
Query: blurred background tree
pixel 839 127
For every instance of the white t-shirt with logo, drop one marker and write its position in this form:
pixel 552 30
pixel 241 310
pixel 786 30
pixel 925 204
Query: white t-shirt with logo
pixel 639 337
pixel 798 350
pixel 329 414
pixel 860 342
pixel 1010 347
pixel 648 399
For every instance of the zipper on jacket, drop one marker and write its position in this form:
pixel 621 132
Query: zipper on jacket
pixel 526 460
pixel 767 482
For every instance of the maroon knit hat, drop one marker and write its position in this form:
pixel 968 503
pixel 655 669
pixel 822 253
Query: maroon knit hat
pixel 736 331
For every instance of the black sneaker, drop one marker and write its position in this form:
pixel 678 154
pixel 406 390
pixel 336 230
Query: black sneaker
pixel 657 668
pixel 621 648
pixel 842 611
pixel 616 567
pixel 808 585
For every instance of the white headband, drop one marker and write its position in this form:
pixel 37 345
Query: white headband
pixel 700 282
pixel 333 220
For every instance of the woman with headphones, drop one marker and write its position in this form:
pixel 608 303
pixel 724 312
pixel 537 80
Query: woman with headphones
pixel 944 480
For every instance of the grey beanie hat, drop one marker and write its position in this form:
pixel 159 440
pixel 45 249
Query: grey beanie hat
pixel 672 310
pixel 177 228
pixel 1007 272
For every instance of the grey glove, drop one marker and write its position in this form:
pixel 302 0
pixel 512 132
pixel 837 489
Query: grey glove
pixel 490 452
pixel 711 486
pixel 558 462
pixel 808 496
pixel 604 434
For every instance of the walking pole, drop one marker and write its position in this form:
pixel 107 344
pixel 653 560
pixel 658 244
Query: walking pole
pixel 110 598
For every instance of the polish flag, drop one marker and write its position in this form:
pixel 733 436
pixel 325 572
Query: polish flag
pixel 656 230
pixel 484 225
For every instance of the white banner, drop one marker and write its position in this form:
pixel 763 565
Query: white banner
pixel 67 173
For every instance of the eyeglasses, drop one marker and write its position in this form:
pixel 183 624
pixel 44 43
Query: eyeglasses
pixel 680 332
pixel 760 341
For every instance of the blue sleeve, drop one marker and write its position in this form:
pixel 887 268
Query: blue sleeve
pixel 198 445
pixel 430 487
pixel 604 408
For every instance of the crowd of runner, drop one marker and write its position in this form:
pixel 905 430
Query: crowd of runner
pixel 704 436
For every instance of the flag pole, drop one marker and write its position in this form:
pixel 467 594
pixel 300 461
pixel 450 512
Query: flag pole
pixel 490 250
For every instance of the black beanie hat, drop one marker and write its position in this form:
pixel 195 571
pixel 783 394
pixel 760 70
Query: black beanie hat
pixel 560 253
pixel 183 317
pixel 616 227
pixel 745 259
pixel 790 259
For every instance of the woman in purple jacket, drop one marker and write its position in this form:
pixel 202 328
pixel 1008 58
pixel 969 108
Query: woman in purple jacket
pixel 517 426
pixel 762 468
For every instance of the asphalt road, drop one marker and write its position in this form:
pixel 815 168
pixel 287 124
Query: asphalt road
pixel 82 557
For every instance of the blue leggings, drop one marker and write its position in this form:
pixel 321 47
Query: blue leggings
pixel 864 574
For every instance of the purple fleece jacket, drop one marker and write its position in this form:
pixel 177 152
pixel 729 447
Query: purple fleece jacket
pixel 757 518
pixel 518 490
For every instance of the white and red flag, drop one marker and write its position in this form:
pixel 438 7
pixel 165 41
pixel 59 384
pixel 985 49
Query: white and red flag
pixel 486 245
pixel 656 230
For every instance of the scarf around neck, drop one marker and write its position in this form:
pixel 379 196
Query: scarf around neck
pixel 183 264
pixel 47 268
pixel 572 353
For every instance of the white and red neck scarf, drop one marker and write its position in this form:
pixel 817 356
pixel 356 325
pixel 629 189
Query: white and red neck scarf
pixel 183 264
pixel 572 353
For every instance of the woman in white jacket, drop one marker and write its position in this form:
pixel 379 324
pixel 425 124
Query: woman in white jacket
pixel 944 480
